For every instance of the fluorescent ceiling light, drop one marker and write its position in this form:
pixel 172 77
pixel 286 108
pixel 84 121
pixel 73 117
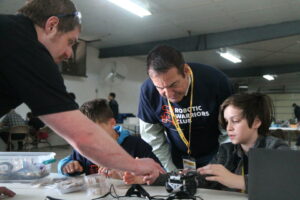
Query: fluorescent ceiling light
pixel 131 7
pixel 269 77
pixel 229 54
pixel 230 57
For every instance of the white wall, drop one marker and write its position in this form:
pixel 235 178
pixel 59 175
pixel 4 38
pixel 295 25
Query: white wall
pixel 283 105
pixel 128 90
pixel 284 92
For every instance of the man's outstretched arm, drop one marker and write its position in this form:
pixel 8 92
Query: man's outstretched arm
pixel 91 141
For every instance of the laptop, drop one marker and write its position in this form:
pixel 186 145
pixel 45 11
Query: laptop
pixel 274 174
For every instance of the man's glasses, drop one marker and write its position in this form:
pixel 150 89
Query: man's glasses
pixel 76 14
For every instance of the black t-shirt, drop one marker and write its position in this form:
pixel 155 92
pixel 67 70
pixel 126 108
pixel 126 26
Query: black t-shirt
pixel 28 73
pixel 297 112
pixel 211 88
pixel 114 106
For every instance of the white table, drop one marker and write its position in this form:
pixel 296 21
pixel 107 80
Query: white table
pixel 288 130
pixel 285 128
pixel 27 192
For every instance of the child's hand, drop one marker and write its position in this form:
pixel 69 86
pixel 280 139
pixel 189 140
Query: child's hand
pixel 110 173
pixel 129 178
pixel 222 175
pixel 72 167
pixel 7 192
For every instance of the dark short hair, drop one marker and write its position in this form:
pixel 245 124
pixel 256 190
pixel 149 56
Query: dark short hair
pixel 40 10
pixel 113 95
pixel 72 95
pixel 97 110
pixel 252 105
pixel 29 115
pixel 164 57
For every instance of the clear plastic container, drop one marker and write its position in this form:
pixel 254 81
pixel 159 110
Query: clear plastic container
pixel 96 185
pixel 71 185
pixel 25 166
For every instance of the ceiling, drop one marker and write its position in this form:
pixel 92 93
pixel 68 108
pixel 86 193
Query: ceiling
pixel 266 33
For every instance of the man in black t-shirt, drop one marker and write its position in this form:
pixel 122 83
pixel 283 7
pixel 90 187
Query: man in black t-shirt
pixel 178 109
pixel 297 115
pixel 114 106
pixel 31 44
pixel 297 112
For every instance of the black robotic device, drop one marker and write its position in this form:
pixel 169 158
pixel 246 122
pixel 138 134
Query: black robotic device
pixel 182 186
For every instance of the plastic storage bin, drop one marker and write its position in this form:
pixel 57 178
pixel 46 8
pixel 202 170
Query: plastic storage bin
pixel 25 166
pixel 71 185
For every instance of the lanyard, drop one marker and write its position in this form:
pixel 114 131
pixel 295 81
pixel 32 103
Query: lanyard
pixel 245 163
pixel 175 121
pixel 243 174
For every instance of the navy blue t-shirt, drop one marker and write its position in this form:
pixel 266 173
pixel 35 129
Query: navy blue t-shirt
pixel 211 88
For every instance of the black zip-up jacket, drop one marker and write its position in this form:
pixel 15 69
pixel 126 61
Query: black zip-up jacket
pixel 233 158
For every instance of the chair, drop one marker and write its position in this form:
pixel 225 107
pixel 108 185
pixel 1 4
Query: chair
pixel 19 134
pixel 42 136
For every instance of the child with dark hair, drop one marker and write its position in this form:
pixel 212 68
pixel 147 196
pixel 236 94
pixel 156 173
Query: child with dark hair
pixel 99 111
pixel 246 118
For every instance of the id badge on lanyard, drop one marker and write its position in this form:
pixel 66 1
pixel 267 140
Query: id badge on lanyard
pixel 189 163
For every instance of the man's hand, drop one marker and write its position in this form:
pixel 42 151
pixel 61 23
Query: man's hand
pixel 7 192
pixel 222 175
pixel 148 168
pixel 129 179
pixel 72 167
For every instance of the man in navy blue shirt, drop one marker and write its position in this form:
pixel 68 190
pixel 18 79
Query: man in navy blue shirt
pixel 178 109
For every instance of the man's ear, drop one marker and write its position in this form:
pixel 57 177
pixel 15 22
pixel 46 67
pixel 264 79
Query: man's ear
pixel 51 24
pixel 186 69
pixel 112 122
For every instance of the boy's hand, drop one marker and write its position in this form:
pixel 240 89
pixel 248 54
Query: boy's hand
pixel 110 173
pixel 222 175
pixel 72 167
pixel 7 192
pixel 129 178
